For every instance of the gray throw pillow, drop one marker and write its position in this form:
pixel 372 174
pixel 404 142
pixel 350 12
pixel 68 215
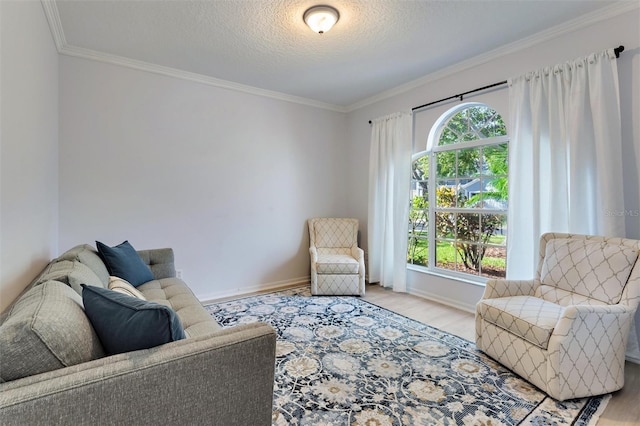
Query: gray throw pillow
pixel 46 329
pixel 124 323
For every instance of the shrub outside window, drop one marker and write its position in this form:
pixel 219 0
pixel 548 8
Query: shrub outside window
pixel 459 195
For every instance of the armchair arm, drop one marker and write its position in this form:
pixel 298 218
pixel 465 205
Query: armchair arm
pixel 506 288
pixel 587 348
pixel 358 254
pixel 224 378
pixel 313 251
pixel 607 316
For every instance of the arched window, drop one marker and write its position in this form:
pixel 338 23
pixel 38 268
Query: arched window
pixel 459 194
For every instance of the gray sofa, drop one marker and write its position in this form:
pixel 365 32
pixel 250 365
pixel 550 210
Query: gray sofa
pixel 215 376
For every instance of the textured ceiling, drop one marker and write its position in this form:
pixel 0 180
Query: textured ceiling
pixel 375 46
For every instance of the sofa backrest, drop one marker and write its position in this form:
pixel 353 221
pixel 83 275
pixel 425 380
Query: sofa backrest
pixel 89 257
pixel 588 269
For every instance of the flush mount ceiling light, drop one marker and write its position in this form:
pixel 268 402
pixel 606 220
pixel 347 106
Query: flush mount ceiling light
pixel 321 18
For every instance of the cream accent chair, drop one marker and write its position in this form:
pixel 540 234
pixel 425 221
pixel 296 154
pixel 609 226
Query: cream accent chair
pixel 337 263
pixel 566 330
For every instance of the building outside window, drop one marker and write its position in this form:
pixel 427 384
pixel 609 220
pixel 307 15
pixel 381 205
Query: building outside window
pixel 459 195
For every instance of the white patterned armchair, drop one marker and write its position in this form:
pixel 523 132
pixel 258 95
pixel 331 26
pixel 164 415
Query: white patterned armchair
pixel 566 330
pixel 337 263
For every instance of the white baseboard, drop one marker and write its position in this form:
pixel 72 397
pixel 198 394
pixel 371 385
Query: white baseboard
pixel 443 300
pixel 273 286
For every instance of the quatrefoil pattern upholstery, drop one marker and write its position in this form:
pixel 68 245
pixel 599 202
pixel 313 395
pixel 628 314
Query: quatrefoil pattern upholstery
pixel 337 263
pixel 566 330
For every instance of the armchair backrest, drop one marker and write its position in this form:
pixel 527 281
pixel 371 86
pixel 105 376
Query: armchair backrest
pixel 328 232
pixel 588 269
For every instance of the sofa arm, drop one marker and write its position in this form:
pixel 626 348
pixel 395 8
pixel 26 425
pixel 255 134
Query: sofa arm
pixel 224 378
pixel 161 261
pixel 506 288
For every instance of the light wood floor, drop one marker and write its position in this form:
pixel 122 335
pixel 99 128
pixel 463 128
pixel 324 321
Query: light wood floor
pixel 623 408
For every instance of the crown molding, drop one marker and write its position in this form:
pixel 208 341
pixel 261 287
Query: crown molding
pixel 81 52
pixel 543 36
pixel 55 25
pixel 64 48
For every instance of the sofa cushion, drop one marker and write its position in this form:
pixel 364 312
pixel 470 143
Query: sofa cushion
pixel 123 261
pixel 527 317
pixel 594 269
pixel 44 330
pixel 124 287
pixel 73 273
pixel 124 323
pixel 88 256
pixel 174 293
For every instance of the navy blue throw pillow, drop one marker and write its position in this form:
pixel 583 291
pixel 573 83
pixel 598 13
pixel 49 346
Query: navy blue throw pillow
pixel 124 323
pixel 124 262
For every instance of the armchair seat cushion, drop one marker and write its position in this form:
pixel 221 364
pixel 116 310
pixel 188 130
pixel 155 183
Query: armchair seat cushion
pixel 527 317
pixel 337 264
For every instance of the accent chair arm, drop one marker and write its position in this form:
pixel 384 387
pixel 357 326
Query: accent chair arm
pixel 313 251
pixel 506 288
pixel 587 348
pixel 357 252
pixel 575 316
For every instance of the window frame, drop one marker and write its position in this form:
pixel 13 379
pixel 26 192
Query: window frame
pixel 433 148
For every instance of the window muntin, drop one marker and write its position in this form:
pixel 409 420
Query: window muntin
pixel 464 230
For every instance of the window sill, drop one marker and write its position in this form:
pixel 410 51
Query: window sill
pixel 481 282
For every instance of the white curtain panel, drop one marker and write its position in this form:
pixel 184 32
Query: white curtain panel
pixel 564 156
pixel 389 182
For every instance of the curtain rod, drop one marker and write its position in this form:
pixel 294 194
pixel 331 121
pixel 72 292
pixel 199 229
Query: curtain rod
pixel 617 51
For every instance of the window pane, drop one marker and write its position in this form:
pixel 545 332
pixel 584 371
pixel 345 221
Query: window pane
pixel 446 164
pixel 445 223
pixel 445 255
pixel 495 193
pixel 469 235
pixel 418 220
pixel 489 122
pixel 473 123
pixel 421 168
pixel 494 262
pixel 469 162
pixel 446 194
pixel 418 250
pixel 499 235
pixel 495 160
pixel 467 258
pixel 419 189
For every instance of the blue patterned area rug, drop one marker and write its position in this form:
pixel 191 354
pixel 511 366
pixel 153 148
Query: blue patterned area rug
pixel 343 361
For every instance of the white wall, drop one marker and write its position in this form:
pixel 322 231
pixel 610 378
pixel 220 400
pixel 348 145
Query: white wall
pixel 227 179
pixel 29 144
pixel 622 29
